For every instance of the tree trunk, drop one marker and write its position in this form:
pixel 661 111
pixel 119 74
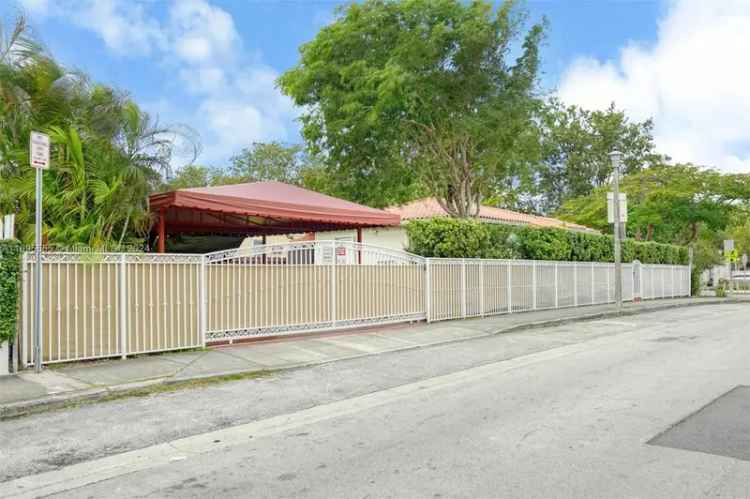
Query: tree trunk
pixel 650 232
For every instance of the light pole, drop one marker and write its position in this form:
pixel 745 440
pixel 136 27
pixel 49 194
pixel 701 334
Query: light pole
pixel 616 157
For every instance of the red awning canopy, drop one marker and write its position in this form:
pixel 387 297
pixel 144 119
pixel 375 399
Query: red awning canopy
pixel 260 208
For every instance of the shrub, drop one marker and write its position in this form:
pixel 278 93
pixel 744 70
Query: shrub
pixel 450 238
pixel 10 267
pixel 456 238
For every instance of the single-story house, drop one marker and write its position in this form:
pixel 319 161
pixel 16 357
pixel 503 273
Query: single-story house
pixel 395 237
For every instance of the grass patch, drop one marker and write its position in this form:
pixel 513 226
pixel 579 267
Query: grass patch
pixel 141 391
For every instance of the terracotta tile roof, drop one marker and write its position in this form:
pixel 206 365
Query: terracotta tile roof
pixel 430 208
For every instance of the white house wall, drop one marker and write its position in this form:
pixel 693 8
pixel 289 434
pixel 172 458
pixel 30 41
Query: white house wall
pixel 385 237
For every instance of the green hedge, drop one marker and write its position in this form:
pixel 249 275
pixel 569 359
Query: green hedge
pixel 10 266
pixel 456 238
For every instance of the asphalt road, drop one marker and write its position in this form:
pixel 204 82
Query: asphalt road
pixel 583 410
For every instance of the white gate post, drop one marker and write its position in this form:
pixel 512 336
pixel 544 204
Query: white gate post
pixel 481 288
pixel 122 306
pixel 652 273
pixel 575 284
pixel 593 284
pixel 333 285
pixel 609 294
pixel 463 287
pixel 202 301
pixel 671 288
pixel 533 285
pixel 557 283
pixel 509 266
pixel 428 290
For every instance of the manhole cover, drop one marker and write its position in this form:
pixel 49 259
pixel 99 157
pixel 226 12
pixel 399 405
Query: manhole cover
pixel 721 428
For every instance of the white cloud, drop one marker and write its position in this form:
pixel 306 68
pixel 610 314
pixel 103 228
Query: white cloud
pixel 202 32
pixel 237 99
pixel 693 81
pixel 125 27
pixel 252 110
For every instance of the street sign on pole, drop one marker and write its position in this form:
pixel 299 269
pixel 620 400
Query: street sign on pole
pixel 611 207
pixel 39 159
pixel 39 150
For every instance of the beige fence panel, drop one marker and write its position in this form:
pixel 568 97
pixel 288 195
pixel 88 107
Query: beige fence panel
pixel 296 287
pixel 109 305
pixel 162 296
pixel 446 289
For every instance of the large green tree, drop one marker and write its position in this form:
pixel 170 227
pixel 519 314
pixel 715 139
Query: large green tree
pixel 402 93
pixel 573 148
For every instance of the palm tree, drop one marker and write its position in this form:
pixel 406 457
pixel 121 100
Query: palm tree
pixel 107 154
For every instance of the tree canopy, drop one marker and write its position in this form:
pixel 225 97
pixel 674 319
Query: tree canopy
pixel 574 146
pixel 667 203
pixel 398 93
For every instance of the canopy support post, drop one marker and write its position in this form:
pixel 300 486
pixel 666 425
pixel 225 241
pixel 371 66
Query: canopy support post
pixel 263 239
pixel 359 249
pixel 162 230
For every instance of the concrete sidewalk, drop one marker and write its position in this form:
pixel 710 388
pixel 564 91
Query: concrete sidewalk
pixel 64 384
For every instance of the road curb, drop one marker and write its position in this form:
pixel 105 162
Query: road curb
pixel 613 314
pixel 52 402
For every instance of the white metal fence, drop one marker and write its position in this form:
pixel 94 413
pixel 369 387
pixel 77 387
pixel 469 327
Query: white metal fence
pixel 118 304
pixel 473 287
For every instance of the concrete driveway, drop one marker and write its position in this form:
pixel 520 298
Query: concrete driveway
pixel 645 406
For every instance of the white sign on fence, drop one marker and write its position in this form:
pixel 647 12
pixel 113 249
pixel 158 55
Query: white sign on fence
pixel 39 150
pixel 611 208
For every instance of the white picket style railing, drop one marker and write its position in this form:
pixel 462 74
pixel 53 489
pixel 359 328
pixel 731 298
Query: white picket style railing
pixel 119 304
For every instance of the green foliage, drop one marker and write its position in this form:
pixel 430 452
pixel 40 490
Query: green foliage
pixel 107 154
pixel 10 266
pixel 190 176
pixel 269 161
pixel 459 238
pixel 449 238
pixel 666 203
pixel 741 236
pixel 398 93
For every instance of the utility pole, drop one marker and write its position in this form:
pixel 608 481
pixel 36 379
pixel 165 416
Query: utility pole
pixel 616 157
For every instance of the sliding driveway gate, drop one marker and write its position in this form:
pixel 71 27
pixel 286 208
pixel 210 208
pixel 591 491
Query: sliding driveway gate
pixel 110 305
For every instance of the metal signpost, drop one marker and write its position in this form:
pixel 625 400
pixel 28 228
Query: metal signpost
pixel 616 157
pixel 39 159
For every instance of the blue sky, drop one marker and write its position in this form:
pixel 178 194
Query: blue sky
pixel 212 63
